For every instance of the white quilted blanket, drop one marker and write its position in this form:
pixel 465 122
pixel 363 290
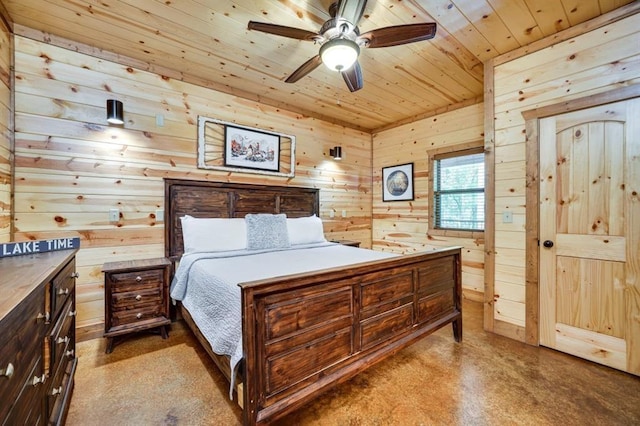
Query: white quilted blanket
pixel 206 283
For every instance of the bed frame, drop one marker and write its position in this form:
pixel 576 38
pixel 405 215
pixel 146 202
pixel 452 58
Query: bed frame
pixel 305 333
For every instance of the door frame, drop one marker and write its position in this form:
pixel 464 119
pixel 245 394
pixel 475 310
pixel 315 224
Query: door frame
pixel 532 195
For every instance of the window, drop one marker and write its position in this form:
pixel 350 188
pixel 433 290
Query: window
pixel 458 190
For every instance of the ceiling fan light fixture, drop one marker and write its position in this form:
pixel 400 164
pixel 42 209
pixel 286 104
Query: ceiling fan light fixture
pixel 339 54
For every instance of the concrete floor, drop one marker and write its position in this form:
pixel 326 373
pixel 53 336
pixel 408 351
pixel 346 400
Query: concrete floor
pixel 485 380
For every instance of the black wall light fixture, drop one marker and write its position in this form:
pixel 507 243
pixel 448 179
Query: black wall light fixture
pixel 336 152
pixel 114 112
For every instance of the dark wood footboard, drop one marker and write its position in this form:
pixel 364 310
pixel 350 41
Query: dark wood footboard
pixel 303 334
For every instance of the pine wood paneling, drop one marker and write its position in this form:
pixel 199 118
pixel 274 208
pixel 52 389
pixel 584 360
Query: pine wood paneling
pixel 6 128
pixel 403 226
pixel 71 167
pixel 215 49
pixel 595 62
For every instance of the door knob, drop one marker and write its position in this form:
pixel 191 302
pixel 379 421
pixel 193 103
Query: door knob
pixel 548 243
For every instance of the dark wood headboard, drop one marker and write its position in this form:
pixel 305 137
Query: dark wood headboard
pixel 222 199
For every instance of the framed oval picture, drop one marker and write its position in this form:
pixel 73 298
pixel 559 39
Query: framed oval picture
pixel 397 183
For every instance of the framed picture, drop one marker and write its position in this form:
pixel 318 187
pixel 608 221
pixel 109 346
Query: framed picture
pixel 251 149
pixel 397 183
pixel 226 146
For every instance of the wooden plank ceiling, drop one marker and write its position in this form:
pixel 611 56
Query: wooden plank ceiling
pixel 206 42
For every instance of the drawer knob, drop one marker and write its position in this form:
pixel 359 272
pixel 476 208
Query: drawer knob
pixel 64 339
pixel 56 391
pixel 70 353
pixel 7 372
pixel 45 316
pixel 63 291
pixel 138 297
pixel 139 315
pixel 75 275
pixel 38 379
pixel 138 278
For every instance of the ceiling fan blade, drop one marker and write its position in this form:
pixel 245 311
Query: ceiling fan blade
pixel 398 34
pixel 351 10
pixel 353 77
pixel 304 69
pixel 283 31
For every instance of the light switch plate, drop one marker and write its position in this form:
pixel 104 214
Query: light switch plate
pixel 114 215
pixel 507 217
pixel 160 215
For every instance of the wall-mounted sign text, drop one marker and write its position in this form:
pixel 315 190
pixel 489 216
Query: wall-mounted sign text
pixel 28 247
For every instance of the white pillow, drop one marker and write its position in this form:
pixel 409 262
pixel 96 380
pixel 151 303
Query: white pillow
pixel 213 234
pixel 305 230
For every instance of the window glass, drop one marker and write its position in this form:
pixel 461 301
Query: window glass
pixel 459 191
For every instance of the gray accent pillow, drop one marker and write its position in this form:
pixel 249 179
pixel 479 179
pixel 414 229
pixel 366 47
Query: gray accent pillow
pixel 267 231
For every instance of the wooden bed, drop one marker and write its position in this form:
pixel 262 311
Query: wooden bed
pixel 305 333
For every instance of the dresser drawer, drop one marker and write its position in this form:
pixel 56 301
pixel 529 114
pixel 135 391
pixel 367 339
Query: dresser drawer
pixel 21 336
pixel 62 338
pixel 63 285
pixel 59 391
pixel 137 299
pixel 136 281
pixel 27 405
pixel 14 371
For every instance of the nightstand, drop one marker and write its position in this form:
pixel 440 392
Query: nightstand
pixel 347 243
pixel 136 297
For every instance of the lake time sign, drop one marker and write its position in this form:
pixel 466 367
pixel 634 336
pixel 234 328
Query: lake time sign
pixel 29 247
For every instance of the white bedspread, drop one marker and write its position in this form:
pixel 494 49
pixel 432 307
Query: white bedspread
pixel 206 283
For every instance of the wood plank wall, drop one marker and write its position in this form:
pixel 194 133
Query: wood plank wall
pixel 403 226
pixel 6 131
pixel 71 167
pixel 594 62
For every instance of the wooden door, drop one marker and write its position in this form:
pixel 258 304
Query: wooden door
pixel 590 234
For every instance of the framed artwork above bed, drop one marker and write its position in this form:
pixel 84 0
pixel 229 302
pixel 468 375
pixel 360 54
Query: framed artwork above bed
pixel 232 147
pixel 251 149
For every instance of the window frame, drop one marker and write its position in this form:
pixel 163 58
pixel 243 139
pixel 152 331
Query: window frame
pixel 442 153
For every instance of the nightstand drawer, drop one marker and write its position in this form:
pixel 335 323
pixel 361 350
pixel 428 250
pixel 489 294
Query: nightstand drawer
pixel 134 316
pixel 137 299
pixel 136 281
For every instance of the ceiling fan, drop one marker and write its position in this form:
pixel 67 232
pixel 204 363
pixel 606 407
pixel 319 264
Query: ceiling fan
pixel 341 40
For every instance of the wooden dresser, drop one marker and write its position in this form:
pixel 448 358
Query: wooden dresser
pixel 37 337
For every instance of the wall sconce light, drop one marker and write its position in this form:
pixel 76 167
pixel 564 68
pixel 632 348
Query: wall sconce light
pixel 336 152
pixel 114 112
